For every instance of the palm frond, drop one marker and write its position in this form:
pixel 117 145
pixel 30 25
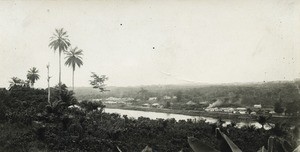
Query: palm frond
pixel 74 57
pixel 59 40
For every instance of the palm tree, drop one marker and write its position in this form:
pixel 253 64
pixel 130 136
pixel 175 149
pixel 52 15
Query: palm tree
pixel 74 58
pixel 33 75
pixel 59 41
pixel 15 81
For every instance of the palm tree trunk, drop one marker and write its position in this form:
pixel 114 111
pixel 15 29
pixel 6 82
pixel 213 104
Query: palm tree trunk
pixel 59 84
pixel 73 79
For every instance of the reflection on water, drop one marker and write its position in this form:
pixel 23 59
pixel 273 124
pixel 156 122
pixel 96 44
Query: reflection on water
pixel 160 115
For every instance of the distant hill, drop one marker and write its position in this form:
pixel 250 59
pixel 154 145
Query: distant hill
pixel 246 94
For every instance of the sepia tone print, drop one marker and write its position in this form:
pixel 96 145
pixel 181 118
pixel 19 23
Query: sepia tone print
pixel 150 76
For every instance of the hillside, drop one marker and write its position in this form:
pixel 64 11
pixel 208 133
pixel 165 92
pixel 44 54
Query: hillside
pixel 244 94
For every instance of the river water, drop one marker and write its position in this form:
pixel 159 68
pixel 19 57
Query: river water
pixel 160 115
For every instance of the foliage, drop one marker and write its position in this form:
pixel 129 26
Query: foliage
pixel 64 95
pixel 143 94
pixel 292 108
pixel 15 81
pixel 91 106
pixel 278 106
pixel 32 75
pixel 245 95
pixel 74 58
pixel 261 119
pixel 30 124
pixel 98 82
pixel 179 96
pixel 167 104
pixel 59 41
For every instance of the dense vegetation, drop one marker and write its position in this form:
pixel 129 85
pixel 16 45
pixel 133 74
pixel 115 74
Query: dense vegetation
pixel 282 97
pixel 30 123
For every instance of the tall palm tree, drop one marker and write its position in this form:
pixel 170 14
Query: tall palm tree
pixel 59 41
pixel 33 75
pixel 74 58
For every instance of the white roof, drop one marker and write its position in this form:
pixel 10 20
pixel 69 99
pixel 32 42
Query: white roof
pixel 190 103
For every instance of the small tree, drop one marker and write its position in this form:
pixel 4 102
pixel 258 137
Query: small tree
pixel 98 82
pixel 263 120
pixel 15 81
pixel 249 110
pixel 178 96
pixel 292 108
pixel 167 104
pixel 90 106
pixel 278 106
pixel 143 94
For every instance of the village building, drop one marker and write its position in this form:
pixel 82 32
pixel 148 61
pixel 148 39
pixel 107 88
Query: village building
pixel 227 109
pixel 152 99
pixel 167 97
pixel 204 102
pixel 147 105
pixel 258 106
pixel 110 102
pixel 190 103
pixel 241 110
pixel 156 105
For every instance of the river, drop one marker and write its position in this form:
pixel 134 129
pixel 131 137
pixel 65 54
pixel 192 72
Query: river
pixel 160 115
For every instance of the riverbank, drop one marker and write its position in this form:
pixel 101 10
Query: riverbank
pixel 217 115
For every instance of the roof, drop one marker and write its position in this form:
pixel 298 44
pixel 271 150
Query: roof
pixel 191 103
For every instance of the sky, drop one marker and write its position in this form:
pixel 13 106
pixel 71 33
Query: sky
pixel 154 42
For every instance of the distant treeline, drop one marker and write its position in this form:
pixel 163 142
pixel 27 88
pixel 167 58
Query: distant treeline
pixel 244 94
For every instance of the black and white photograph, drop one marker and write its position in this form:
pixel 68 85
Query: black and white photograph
pixel 150 76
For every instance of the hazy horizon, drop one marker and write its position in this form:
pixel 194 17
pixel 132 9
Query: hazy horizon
pixel 146 42
pixel 186 84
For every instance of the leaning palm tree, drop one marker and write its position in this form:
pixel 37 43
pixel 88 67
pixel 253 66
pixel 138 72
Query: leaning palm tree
pixel 33 75
pixel 59 41
pixel 74 58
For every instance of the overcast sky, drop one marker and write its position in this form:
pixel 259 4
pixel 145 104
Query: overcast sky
pixel 154 42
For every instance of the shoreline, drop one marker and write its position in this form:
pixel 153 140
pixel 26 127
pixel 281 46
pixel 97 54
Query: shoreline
pixel 217 115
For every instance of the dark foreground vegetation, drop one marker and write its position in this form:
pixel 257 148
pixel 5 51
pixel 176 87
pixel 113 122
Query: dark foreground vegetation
pixel 30 123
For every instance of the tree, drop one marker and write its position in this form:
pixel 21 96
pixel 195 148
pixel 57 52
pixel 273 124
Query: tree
pixel 98 82
pixel 143 93
pixel 59 41
pixel 167 104
pixel 249 111
pixel 90 106
pixel 32 75
pixel 278 106
pixel 179 96
pixel 63 95
pixel 15 81
pixel 292 108
pixel 263 120
pixel 74 58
